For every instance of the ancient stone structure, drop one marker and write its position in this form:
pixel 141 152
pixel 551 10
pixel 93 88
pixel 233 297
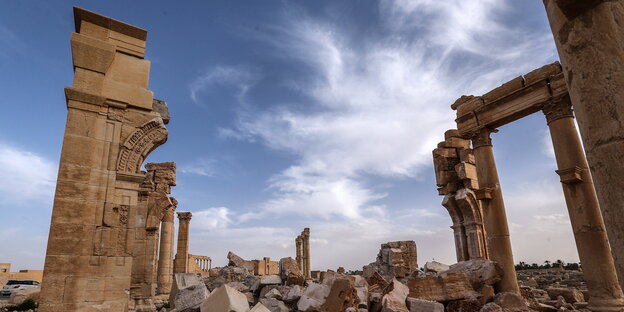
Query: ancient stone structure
pixel 265 267
pixel 456 177
pixel 101 211
pixel 154 203
pixel 302 245
pixel 395 259
pixel 588 38
pixel 542 89
pixel 181 261
pixel 199 264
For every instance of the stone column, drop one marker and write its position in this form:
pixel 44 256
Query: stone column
pixel 588 35
pixel 494 216
pixel 180 264
pixel 165 257
pixel 592 244
pixel 306 253
pixel 299 251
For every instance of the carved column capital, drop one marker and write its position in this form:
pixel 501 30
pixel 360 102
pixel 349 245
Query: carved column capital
pixel 185 216
pixel 558 109
pixel 482 138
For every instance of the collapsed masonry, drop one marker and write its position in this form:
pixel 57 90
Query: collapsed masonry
pixel 395 259
pixel 468 179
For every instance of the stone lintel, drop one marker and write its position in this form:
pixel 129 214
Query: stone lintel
pixel 513 100
pixel 570 175
pixel 131 177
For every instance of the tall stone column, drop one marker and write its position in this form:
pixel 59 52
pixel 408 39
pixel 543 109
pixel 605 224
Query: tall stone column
pixel 165 257
pixel 592 244
pixel 306 253
pixel 180 264
pixel 588 35
pixel 494 216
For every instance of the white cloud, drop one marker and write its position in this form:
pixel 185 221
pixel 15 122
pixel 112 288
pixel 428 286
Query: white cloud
pixel 211 218
pixel 27 177
pixel 203 167
pixel 242 78
pixel 380 108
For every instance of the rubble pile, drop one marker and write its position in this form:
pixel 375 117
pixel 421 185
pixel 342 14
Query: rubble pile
pixel 553 289
pixel 467 286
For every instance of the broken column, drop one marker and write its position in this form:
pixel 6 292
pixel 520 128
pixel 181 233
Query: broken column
pixel 494 215
pixel 456 178
pixel 587 223
pixel 305 236
pixel 588 38
pixel 113 124
pixel 299 252
pixel 165 257
pixel 180 264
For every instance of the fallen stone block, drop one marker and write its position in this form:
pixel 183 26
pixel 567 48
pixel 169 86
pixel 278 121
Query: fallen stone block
pixel 436 267
pixel 293 294
pixel 376 282
pixel 225 299
pixel 273 293
pixel 420 305
pixel 17 297
pixel 188 291
pixel 491 307
pixel 274 305
pixel 395 259
pixel 289 266
pixel 510 301
pixel 540 307
pixel 480 271
pixel 342 295
pixel 394 297
pixel 259 308
pixel 313 297
pixel 451 286
pixel 270 280
pixel 235 260
pixel 571 295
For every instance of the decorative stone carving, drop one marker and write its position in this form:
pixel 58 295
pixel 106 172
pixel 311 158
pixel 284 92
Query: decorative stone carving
pixel 557 109
pixel 142 142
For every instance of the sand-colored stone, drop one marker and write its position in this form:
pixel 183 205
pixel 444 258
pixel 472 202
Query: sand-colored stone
pixel 101 251
pixel 452 286
pixel 181 261
pixel 588 38
pixel 302 248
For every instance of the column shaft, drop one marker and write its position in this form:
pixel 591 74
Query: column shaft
pixel 588 38
pixel 306 250
pixel 180 264
pixel 494 216
pixel 165 257
pixel 591 239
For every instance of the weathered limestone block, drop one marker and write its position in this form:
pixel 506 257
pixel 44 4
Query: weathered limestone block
pixel 313 297
pixel 451 286
pixel 20 296
pixel 395 259
pixel 274 305
pixel 342 295
pixel 225 299
pixel 571 295
pixel 492 307
pixel 420 305
pixel 259 307
pixel 480 271
pixel 435 267
pixel 235 260
pixel 188 291
pixel 376 282
pixel 289 266
pixel 394 297
pixel 293 294
pixel 510 301
pixel 270 280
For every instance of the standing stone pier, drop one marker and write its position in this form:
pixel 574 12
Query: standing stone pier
pixel 302 246
pixel 588 35
pixel 299 252
pixel 181 262
pixel 113 124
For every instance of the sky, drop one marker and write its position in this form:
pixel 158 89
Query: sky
pixel 293 114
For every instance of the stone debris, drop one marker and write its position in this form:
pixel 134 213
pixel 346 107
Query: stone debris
pixel 236 261
pixel 447 287
pixel 570 295
pixel 313 297
pixel 270 280
pixel 421 305
pixel 491 307
pixel 435 267
pixel 18 297
pixel 188 291
pixel 259 308
pixel 480 271
pixel 342 295
pixel 225 299
pixel 510 301
pixel 395 296
pixel 395 259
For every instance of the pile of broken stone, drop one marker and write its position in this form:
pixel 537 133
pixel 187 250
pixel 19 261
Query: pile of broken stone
pixel 386 285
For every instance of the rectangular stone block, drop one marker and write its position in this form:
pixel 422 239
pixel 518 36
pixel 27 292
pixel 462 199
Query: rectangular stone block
pixel 130 70
pixel 74 211
pixel 505 89
pixel 91 54
pixel 445 152
pixel 453 286
pixel 88 81
pixel 466 171
pixel 70 239
pixel 542 73
pixel 127 93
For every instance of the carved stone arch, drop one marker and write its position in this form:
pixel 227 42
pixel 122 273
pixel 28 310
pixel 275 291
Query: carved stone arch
pixel 459 231
pixel 140 144
pixel 469 205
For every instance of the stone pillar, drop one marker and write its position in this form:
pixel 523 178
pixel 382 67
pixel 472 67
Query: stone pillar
pixel 494 216
pixel 588 35
pixel 180 264
pixel 592 244
pixel 165 257
pixel 306 253
pixel 299 251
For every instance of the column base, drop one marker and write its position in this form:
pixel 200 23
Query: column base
pixel 606 305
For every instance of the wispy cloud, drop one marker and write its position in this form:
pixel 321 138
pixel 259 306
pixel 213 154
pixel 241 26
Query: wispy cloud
pixel 240 77
pixel 203 167
pixel 27 177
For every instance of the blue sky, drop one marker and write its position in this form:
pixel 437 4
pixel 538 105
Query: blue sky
pixel 293 114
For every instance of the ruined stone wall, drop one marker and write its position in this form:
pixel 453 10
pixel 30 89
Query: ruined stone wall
pixel 111 128
pixel 395 259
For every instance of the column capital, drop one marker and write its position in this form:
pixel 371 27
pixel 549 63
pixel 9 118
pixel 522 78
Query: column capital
pixel 482 137
pixel 185 216
pixel 557 109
